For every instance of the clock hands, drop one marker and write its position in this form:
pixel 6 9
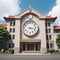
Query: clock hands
pixel 31 28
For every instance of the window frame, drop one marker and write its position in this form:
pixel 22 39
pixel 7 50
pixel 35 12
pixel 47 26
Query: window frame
pixel 13 30
pixel 10 30
pixel 13 36
pixel 14 23
pixel 50 37
pixel 10 23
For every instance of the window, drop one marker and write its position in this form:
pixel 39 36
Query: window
pixel 10 23
pixel 47 45
pixel 13 29
pixel 54 31
pixel 10 29
pixel 13 36
pixel 37 47
pixel 13 23
pixel 9 46
pixel 24 47
pixel 10 36
pixel 12 45
pixel 46 31
pixel 46 37
pixel 49 36
pixel 58 46
pixel 57 31
pixel 49 30
pixel 51 45
pixel 48 24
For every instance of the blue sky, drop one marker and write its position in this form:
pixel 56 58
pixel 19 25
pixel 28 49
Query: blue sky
pixel 14 7
pixel 43 6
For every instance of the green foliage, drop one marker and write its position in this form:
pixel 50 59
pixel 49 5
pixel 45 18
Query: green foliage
pixel 7 52
pixel 58 39
pixel 4 35
pixel 51 50
pixel 1 52
pixel 56 51
pixel 10 50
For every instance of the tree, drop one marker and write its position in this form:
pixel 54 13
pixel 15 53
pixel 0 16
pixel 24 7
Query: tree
pixel 4 37
pixel 58 39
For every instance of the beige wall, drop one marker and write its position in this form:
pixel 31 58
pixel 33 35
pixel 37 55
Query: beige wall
pixel 40 35
pixel 51 32
pixel 55 45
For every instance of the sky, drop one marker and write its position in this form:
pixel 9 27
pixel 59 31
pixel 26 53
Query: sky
pixel 14 7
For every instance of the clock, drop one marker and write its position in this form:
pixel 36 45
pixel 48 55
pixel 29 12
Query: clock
pixel 30 16
pixel 30 28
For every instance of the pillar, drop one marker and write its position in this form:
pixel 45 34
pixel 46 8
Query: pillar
pixel 17 36
pixel 17 47
pixel 34 46
pixel 43 47
pixel 26 47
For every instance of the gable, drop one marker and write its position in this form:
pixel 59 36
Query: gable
pixel 30 10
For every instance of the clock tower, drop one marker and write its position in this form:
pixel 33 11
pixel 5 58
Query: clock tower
pixel 30 33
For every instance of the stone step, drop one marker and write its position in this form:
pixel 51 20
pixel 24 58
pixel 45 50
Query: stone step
pixel 31 52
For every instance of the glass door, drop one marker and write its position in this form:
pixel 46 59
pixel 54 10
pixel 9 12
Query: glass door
pixel 37 47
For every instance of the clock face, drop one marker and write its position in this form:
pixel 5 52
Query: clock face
pixel 30 28
pixel 30 16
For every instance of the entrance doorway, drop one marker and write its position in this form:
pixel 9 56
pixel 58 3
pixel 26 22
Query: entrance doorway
pixel 35 46
pixel 30 47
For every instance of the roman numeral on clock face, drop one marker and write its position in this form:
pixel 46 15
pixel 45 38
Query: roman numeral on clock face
pixel 30 28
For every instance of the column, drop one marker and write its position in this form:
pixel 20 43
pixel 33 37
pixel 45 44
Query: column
pixel 16 48
pixel 26 47
pixel 17 36
pixel 43 47
pixel 43 37
pixel 34 46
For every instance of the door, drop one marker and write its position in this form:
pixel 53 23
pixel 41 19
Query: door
pixel 37 47
pixel 30 47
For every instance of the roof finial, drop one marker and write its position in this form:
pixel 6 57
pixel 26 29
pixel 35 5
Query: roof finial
pixel 30 6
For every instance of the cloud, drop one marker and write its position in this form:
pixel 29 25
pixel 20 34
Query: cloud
pixel 56 12
pixel 9 7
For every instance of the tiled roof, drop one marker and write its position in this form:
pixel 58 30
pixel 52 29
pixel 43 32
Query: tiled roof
pixel 45 17
pixel 57 27
pixel 48 17
pixel 9 17
pixel 4 25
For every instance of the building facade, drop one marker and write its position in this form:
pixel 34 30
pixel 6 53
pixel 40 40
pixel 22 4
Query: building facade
pixel 31 32
pixel 56 32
